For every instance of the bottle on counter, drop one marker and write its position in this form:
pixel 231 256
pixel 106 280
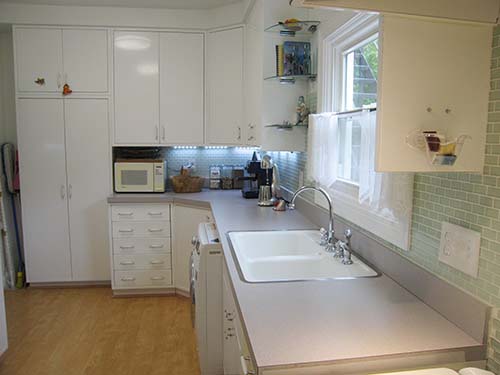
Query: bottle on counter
pixel 227 177
pixel 214 176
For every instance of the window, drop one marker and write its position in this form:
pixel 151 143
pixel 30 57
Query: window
pixel 360 71
pixel 342 141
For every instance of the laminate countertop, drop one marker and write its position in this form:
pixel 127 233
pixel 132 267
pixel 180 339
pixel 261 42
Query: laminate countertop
pixel 319 322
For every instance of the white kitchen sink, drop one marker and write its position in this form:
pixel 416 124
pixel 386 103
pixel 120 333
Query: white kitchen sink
pixel 295 255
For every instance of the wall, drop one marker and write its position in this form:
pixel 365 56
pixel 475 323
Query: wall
pixel 7 98
pixel 469 200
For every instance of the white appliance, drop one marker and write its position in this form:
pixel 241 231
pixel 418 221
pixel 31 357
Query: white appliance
pixel 140 176
pixel 206 297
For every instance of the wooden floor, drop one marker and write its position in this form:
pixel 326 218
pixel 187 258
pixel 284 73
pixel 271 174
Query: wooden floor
pixel 86 331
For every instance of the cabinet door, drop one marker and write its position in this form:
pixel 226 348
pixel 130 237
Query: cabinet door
pixel 253 86
pixel 225 96
pixel 184 226
pixel 86 59
pixel 40 134
pixel 136 87
pixel 3 321
pixel 88 169
pixel 39 57
pixel 434 99
pixel 182 90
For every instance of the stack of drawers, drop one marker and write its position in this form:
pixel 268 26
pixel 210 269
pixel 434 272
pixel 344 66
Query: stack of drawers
pixel 141 246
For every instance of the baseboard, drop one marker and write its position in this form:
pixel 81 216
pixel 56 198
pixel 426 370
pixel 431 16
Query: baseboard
pixel 71 284
pixel 151 292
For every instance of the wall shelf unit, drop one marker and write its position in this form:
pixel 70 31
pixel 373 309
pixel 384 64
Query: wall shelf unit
pixel 291 79
pixel 294 28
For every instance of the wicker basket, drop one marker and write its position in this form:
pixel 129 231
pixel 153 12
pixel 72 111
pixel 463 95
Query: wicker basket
pixel 187 184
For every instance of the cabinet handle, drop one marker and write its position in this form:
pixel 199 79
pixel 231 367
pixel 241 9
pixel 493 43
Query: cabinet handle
pixel 251 126
pixel 127 263
pixel 251 138
pixel 127 247
pixel 239 133
pixel 70 191
pixel 156 262
pixel 155 213
pixel 157 278
pixel 157 132
pixel 125 213
pixel 63 192
pixel 164 133
pixel 155 230
pixel 40 81
pixel 59 79
pixel 156 246
pixel 125 230
pixel 128 279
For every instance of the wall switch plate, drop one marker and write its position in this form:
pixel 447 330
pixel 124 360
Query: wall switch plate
pixel 460 248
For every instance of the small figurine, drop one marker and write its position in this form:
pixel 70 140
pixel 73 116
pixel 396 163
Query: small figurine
pixel 66 89
pixel 302 111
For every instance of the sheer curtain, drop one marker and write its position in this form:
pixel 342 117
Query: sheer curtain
pixel 388 194
pixel 322 150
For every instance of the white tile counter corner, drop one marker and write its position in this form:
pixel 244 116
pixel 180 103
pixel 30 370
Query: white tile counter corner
pixel 296 323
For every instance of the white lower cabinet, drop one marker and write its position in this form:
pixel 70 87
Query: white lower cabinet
pixel 141 247
pixel 65 180
pixel 184 227
pixel 236 351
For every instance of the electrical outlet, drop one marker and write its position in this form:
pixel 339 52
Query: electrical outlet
pixel 301 178
pixel 460 248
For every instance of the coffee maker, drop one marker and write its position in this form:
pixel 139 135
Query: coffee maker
pixel 262 181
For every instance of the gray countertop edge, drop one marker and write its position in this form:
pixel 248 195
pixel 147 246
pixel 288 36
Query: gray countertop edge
pixel 206 200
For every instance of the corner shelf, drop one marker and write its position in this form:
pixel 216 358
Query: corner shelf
pixel 295 28
pixel 286 126
pixel 291 79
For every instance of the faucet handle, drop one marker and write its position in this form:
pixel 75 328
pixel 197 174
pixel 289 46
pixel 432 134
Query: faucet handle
pixel 291 206
pixel 348 234
pixel 324 236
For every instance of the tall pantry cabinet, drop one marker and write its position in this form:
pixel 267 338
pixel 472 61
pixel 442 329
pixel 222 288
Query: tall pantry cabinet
pixel 64 154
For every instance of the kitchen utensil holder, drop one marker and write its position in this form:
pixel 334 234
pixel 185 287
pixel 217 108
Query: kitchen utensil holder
pixel 439 149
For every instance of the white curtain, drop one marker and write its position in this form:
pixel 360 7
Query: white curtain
pixel 322 150
pixel 389 194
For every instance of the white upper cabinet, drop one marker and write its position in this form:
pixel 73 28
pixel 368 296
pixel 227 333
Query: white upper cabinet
pixel 434 76
pixel 39 59
pixel 182 89
pixel 225 87
pixel 86 59
pixel 48 58
pixel 137 112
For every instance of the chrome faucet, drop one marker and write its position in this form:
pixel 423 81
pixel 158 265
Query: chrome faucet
pixel 328 237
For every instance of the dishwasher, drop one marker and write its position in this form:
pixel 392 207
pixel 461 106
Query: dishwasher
pixel 206 297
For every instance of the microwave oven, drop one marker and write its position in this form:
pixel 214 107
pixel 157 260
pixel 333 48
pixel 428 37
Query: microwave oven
pixel 140 176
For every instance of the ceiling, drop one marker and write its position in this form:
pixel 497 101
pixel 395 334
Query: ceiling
pixel 167 4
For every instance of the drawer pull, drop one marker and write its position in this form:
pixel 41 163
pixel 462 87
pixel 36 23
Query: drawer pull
pixel 128 278
pixel 156 246
pixel 125 213
pixel 155 230
pixel 125 230
pixel 157 278
pixel 127 247
pixel 155 213
pixel 154 262
pixel 127 263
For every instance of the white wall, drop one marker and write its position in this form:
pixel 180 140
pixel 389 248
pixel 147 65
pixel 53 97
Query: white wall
pixel 7 90
pixel 123 17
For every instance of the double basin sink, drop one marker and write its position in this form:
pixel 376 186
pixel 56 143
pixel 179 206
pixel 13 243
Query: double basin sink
pixel 295 255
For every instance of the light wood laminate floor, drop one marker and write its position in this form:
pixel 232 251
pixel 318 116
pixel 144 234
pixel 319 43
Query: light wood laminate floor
pixel 86 331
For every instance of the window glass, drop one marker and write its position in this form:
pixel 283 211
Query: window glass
pixel 360 75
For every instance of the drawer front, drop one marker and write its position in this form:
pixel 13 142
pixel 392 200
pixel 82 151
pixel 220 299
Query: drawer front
pixel 142 262
pixel 144 278
pixel 128 246
pixel 141 229
pixel 141 212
